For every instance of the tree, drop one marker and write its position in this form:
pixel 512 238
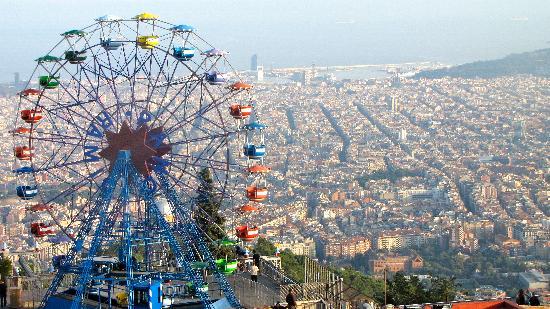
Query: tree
pixel 6 267
pixel 207 213
pixel 265 247
pixel 404 291
pixel 443 289
pixel 367 285
pixel 293 265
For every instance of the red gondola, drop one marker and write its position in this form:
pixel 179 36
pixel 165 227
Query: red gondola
pixel 39 229
pixel 23 153
pixel 31 115
pixel 39 207
pixel 240 86
pixel 256 194
pixel 246 233
pixel 238 111
pixel 248 208
pixel 21 130
pixel 29 92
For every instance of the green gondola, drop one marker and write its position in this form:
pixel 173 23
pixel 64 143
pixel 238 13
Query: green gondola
pixel 227 267
pixel 47 58
pixel 75 57
pixel 49 81
pixel 192 291
pixel 199 265
pixel 73 33
pixel 226 242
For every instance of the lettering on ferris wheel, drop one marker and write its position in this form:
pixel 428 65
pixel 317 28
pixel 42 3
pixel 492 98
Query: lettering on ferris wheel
pixel 105 122
pixel 90 153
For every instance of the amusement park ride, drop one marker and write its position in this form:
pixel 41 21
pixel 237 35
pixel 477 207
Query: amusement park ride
pixel 109 147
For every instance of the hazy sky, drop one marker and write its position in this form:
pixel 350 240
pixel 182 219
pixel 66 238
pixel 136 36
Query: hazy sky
pixel 299 32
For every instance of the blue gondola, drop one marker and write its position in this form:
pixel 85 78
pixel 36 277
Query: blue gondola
pixel 215 78
pixel 255 126
pixel 24 170
pixel 183 28
pixel 27 192
pixel 108 18
pixel 183 53
pixel 254 146
pixel 254 151
pixel 214 52
pixel 110 44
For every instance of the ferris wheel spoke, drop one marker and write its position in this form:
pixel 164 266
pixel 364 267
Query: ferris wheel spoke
pixel 210 150
pixel 169 80
pixel 127 61
pixel 178 182
pixel 112 84
pixel 191 118
pixel 208 164
pixel 196 178
pixel 133 79
pixel 221 181
pixel 74 187
pixel 192 157
pixel 97 97
pixel 188 119
pixel 54 135
pixel 161 71
pixel 62 165
pixel 67 117
pixel 190 176
pixel 73 78
pixel 66 91
pixel 165 107
pixel 58 140
pixel 61 106
pixel 227 134
pixel 74 218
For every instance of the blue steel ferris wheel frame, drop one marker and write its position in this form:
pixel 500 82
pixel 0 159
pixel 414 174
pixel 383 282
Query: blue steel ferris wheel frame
pixel 140 83
pixel 102 92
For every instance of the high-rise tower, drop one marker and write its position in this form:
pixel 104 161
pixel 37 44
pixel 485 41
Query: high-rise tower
pixel 254 62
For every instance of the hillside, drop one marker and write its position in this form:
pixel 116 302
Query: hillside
pixel 535 63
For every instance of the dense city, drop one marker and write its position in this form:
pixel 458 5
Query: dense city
pixel 386 174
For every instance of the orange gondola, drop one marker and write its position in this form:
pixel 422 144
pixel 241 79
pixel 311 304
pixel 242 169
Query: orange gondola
pixel 21 130
pixel 31 115
pixel 259 169
pixel 29 92
pixel 23 153
pixel 256 194
pixel 240 86
pixel 246 233
pixel 248 208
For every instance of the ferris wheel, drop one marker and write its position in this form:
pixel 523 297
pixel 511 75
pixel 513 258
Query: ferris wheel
pixel 150 88
pixel 157 88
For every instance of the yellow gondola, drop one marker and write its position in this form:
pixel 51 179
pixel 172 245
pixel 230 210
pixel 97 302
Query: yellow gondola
pixel 148 41
pixel 146 16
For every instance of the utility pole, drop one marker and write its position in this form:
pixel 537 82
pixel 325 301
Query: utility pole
pixel 385 286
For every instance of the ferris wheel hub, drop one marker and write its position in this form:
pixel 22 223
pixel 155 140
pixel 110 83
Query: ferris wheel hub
pixel 145 144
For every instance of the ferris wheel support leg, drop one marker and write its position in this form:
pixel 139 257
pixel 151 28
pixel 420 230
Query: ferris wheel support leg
pixel 101 231
pixel 127 227
pixel 192 235
pixel 179 252
pixel 100 206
